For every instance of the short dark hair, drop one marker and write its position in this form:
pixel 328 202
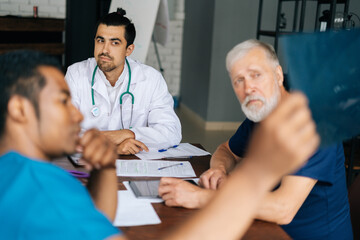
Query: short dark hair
pixel 19 75
pixel 118 19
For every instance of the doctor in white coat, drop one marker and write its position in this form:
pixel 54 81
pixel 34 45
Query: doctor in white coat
pixel 98 85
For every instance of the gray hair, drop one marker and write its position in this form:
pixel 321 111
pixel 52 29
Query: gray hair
pixel 243 48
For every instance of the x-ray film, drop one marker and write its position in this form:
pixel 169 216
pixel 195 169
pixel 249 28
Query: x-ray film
pixel 326 67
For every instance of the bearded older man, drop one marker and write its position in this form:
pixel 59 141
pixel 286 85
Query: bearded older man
pixel 311 203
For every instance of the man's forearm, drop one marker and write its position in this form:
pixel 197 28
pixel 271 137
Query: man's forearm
pixel 103 188
pixel 223 158
pixel 273 209
pixel 281 205
pixel 118 136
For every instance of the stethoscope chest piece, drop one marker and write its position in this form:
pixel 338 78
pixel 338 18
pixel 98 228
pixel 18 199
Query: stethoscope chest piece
pixel 95 111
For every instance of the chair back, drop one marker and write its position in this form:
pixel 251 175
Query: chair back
pixel 354 200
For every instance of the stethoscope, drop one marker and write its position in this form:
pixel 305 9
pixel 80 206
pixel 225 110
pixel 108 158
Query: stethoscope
pixel 95 109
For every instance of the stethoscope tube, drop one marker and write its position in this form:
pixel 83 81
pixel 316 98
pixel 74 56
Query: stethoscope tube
pixel 96 111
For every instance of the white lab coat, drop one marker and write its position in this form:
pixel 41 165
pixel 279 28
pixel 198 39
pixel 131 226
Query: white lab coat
pixel 154 121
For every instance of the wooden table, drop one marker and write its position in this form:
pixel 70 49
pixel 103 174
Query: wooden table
pixel 172 217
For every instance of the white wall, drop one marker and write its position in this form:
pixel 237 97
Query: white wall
pixel 46 8
pixel 170 55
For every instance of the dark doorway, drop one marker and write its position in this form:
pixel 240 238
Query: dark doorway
pixel 81 18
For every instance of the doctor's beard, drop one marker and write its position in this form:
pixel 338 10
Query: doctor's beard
pixel 254 113
pixel 105 66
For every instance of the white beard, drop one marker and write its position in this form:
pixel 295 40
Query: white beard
pixel 256 114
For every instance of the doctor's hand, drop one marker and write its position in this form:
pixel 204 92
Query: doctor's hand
pixel 131 146
pixel 97 151
pixel 213 178
pixel 118 136
pixel 179 193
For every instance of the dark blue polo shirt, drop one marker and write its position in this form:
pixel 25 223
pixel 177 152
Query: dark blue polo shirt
pixel 325 213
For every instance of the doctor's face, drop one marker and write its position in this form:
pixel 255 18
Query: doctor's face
pixel 110 48
pixel 58 126
pixel 256 82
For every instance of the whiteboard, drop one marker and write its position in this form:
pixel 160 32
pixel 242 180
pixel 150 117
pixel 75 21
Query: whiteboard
pixel 143 14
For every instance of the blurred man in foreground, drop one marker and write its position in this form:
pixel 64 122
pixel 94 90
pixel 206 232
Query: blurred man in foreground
pixel 39 123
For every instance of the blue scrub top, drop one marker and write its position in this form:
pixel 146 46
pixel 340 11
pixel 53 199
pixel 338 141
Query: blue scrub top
pixel 41 201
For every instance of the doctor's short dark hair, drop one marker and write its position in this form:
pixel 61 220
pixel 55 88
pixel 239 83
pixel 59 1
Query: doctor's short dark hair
pixel 19 75
pixel 118 19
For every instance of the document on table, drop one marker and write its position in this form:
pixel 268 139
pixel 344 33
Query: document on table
pixel 134 212
pixel 156 168
pixel 325 66
pixel 183 150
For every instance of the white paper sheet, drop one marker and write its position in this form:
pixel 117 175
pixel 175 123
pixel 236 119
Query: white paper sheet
pixel 134 212
pixel 183 150
pixel 140 168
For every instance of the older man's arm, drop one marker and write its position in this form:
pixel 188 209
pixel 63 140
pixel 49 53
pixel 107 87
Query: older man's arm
pixel 222 162
pixel 177 192
pixel 281 205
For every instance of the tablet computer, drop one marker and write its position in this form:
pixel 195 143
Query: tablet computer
pixel 149 188
pixel 145 189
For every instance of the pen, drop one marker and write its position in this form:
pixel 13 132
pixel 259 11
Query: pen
pixel 180 157
pixel 170 166
pixel 165 149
